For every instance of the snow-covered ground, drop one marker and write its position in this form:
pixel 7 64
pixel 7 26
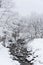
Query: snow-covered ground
pixel 37 51
pixel 5 57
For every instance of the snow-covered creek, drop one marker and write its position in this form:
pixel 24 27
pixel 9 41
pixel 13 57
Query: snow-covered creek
pixel 37 48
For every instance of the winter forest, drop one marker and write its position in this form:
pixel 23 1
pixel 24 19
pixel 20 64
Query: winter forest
pixel 21 37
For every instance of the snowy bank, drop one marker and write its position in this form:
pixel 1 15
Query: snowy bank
pixel 36 48
pixel 5 57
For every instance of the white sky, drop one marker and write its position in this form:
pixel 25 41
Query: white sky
pixel 25 7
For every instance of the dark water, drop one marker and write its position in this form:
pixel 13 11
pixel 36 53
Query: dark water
pixel 26 64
